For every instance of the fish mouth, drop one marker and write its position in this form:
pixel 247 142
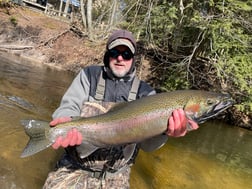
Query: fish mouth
pixel 217 109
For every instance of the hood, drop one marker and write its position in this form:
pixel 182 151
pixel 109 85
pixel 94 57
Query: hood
pixel 113 42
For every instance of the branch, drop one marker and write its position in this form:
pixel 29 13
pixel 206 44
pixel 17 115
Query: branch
pixel 197 44
pixel 15 47
pixel 53 39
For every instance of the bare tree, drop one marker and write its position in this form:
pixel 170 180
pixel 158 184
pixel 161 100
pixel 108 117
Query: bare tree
pixel 83 14
pixel 66 7
pixel 105 13
pixel 113 13
pixel 60 8
pixel 89 18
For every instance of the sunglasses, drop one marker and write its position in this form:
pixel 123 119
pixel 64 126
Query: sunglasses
pixel 114 53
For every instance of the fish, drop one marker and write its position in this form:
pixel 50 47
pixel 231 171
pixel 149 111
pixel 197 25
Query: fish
pixel 129 122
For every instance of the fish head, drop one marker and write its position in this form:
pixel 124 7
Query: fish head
pixel 205 105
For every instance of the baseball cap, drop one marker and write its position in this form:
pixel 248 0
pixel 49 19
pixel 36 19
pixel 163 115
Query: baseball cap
pixel 122 37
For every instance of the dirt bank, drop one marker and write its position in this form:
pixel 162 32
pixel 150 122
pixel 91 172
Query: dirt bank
pixel 46 40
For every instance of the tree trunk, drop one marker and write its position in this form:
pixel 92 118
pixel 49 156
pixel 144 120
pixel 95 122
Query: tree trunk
pixel 83 14
pixel 113 12
pixel 60 8
pixel 66 7
pixel 89 18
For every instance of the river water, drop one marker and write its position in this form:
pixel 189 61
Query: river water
pixel 215 156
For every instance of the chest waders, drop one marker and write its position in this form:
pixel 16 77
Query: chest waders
pixel 112 160
pixel 100 90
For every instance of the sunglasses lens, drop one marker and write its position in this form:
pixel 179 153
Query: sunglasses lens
pixel 114 53
pixel 127 55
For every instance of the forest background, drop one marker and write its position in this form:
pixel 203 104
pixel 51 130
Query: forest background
pixel 194 44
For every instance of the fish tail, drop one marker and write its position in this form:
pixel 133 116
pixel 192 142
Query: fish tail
pixel 35 129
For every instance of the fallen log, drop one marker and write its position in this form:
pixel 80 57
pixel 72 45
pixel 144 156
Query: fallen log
pixel 15 47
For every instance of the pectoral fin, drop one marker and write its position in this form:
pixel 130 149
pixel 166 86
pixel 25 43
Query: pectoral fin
pixel 153 143
pixel 128 151
pixel 85 149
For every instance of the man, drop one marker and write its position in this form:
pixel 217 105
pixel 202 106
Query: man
pixel 116 81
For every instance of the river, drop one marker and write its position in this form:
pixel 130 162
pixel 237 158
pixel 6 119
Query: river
pixel 217 155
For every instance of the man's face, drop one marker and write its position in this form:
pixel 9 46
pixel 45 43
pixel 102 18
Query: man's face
pixel 120 60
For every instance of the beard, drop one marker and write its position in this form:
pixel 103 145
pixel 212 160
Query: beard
pixel 119 73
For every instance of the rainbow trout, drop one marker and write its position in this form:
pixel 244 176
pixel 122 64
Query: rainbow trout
pixel 130 122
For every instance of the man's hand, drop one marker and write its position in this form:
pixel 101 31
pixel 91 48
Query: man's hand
pixel 73 137
pixel 177 124
pixel 60 120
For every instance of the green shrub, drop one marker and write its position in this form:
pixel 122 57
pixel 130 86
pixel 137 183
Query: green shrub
pixel 13 20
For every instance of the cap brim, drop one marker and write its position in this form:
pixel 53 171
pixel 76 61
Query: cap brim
pixel 124 42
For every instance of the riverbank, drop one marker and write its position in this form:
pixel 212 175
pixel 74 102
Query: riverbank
pixel 33 35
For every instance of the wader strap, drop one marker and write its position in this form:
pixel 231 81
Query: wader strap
pixel 134 89
pixel 100 90
pixel 106 174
